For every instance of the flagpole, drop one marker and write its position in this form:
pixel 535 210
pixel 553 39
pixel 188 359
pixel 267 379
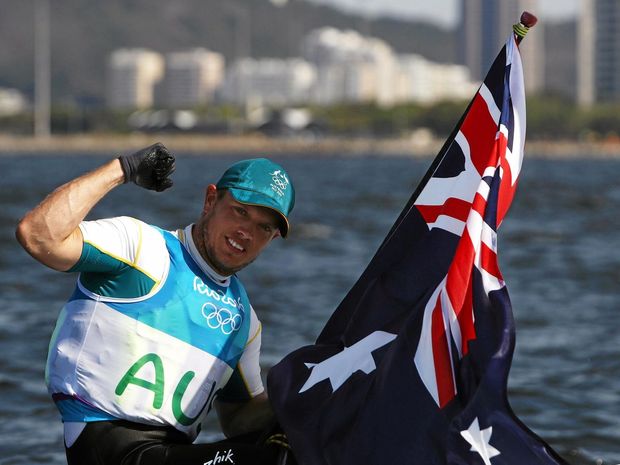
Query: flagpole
pixel 526 21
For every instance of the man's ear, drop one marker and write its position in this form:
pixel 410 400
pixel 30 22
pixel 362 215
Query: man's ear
pixel 210 198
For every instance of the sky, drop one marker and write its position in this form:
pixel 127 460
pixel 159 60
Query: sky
pixel 445 12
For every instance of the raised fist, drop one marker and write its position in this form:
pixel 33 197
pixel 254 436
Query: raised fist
pixel 149 167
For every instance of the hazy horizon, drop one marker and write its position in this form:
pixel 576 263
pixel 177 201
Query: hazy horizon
pixel 443 12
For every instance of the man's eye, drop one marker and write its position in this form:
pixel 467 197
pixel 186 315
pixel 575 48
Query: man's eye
pixel 241 211
pixel 267 228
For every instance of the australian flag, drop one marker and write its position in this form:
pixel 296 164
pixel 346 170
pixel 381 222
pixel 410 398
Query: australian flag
pixel 412 367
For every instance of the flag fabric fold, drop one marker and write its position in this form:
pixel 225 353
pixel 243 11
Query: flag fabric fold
pixel 412 367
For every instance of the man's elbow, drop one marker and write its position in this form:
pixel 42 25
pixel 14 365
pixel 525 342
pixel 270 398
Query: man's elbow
pixel 43 251
pixel 25 236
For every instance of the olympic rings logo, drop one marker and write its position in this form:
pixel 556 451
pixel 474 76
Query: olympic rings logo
pixel 221 318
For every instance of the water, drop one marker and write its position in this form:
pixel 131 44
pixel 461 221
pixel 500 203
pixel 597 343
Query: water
pixel 558 252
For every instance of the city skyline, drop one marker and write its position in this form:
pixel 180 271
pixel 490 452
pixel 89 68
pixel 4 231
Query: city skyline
pixel 488 25
pixel 335 66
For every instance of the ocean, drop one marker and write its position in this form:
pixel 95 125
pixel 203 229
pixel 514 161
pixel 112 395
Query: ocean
pixel 558 251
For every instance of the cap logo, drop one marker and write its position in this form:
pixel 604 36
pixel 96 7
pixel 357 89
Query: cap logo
pixel 279 182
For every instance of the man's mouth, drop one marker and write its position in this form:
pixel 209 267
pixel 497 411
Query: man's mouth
pixel 235 245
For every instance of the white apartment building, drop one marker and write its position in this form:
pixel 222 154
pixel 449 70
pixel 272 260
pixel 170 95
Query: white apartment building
pixel 340 83
pixel 424 81
pixel 192 77
pixel 132 76
pixel 354 68
pixel 268 81
pixel 350 67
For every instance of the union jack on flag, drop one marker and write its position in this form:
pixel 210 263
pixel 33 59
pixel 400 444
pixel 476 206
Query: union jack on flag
pixel 412 367
pixel 488 149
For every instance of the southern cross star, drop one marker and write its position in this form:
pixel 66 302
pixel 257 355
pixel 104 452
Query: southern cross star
pixel 479 440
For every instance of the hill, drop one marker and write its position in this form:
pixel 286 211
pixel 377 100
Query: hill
pixel 84 32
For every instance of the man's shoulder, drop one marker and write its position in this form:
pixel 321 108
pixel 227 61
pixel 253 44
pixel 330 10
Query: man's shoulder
pixel 111 244
pixel 119 228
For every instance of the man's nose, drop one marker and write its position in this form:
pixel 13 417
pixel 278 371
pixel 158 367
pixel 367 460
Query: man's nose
pixel 244 232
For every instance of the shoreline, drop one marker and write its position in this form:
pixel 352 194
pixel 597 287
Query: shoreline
pixel 205 145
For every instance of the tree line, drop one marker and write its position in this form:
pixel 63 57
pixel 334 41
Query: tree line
pixel 548 118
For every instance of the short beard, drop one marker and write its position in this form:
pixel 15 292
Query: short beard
pixel 208 254
pixel 219 266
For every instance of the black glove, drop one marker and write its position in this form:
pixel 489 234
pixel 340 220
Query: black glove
pixel 149 167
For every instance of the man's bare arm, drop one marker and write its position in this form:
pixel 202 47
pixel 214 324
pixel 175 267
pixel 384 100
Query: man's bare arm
pixel 50 233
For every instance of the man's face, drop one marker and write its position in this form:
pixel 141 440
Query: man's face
pixel 230 235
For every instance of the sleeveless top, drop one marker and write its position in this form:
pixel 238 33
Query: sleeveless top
pixel 150 348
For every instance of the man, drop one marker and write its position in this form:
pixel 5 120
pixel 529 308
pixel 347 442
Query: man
pixel 159 325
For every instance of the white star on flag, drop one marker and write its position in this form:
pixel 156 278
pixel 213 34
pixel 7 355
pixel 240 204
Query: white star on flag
pixel 479 441
pixel 339 367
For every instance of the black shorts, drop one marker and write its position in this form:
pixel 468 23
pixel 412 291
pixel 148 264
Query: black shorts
pixel 125 443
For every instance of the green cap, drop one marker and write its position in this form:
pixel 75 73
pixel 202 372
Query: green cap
pixel 261 182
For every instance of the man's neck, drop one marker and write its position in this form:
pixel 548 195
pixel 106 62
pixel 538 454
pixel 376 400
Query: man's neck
pixel 199 253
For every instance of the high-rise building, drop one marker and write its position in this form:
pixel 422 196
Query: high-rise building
pixel 484 27
pixel 429 82
pixel 586 51
pixel 351 67
pixel 607 65
pixel 599 52
pixel 268 81
pixel 132 76
pixel 192 77
pixel 561 59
